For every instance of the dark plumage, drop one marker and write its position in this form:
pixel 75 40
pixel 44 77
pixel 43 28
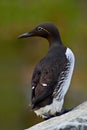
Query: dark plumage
pixel 52 74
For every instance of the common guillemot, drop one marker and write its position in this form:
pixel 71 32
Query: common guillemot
pixel 52 74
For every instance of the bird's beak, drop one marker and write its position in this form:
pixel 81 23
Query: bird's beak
pixel 28 34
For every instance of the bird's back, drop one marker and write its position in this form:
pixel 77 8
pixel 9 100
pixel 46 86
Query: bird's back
pixel 45 76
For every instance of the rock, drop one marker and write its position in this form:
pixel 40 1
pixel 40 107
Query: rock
pixel 73 120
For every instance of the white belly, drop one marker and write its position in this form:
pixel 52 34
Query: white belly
pixel 51 109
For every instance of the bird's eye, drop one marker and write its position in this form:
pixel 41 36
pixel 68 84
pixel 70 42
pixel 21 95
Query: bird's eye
pixel 39 28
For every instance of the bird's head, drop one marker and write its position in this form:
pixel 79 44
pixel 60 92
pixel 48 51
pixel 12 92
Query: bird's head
pixel 45 30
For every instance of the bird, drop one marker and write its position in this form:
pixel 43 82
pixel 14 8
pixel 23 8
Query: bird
pixel 52 74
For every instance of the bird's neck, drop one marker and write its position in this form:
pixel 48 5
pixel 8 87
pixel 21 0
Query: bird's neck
pixel 54 41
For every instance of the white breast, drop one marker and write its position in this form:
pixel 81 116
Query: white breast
pixel 65 77
pixel 71 58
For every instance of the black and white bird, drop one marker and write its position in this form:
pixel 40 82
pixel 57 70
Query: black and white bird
pixel 52 74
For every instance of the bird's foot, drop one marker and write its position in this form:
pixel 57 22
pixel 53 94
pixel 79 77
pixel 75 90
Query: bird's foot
pixel 49 117
pixel 63 111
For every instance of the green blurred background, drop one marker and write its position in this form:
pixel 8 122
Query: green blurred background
pixel 18 57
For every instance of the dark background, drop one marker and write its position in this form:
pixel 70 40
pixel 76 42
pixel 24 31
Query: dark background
pixel 18 57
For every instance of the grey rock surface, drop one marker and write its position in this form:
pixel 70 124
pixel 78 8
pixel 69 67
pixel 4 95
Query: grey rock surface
pixel 73 120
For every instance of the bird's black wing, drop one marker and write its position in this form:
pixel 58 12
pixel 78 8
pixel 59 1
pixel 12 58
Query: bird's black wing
pixel 41 85
pixel 44 80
